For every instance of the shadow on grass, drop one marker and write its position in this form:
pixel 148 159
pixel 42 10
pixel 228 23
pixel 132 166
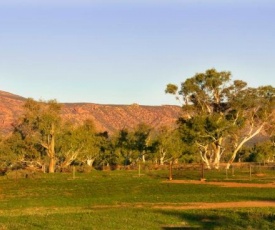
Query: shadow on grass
pixel 254 197
pixel 222 219
pixel 184 228
pixel 195 220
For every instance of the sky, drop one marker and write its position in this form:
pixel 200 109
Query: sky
pixel 127 51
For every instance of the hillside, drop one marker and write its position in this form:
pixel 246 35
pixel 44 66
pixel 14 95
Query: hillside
pixel 106 117
pixel 11 107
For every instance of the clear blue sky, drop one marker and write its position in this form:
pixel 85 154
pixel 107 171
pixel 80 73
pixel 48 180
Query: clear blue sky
pixel 124 52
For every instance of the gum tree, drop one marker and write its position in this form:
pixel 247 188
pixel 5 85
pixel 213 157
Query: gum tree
pixel 253 113
pixel 39 126
pixel 168 145
pixel 124 145
pixel 78 143
pixel 219 110
pixel 170 148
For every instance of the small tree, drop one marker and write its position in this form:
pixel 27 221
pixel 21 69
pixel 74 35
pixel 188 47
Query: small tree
pixel 124 146
pixel 78 143
pixel 8 157
pixel 141 139
pixel 262 153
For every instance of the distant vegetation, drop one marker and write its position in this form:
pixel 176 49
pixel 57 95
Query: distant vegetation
pixel 220 117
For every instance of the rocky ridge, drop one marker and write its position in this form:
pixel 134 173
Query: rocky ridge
pixel 106 117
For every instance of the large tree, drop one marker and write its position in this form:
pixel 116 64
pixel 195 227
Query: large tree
pixel 38 127
pixel 218 109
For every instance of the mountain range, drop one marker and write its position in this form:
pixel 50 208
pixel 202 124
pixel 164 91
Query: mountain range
pixel 106 117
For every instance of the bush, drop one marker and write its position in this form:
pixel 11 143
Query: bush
pixel 21 173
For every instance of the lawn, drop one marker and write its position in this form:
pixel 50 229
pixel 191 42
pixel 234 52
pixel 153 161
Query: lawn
pixel 122 200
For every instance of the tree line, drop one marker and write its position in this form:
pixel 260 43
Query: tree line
pixel 42 138
pixel 219 117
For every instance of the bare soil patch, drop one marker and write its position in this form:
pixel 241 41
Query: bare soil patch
pixel 223 184
pixel 219 205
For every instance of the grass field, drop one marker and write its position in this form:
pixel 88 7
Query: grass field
pixel 122 200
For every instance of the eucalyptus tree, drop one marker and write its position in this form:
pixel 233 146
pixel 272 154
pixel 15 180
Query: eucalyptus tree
pixel 141 140
pixel 107 156
pixel 124 145
pixel 168 145
pixel 78 143
pixel 262 152
pixel 218 109
pixel 38 127
pixel 254 112
pixel 90 142
pixel 200 132
pixel 8 157
pixel 20 149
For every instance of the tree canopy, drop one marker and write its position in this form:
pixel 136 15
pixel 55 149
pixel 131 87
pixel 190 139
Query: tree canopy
pixel 218 111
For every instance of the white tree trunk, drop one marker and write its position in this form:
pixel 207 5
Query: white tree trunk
pixel 70 156
pixel 162 157
pixel 205 159
pixel 217 153
pixel 203 152
pixel 90 162
pixel 240 145
pixel 143 158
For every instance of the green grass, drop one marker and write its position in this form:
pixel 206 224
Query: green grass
pixel 131 218
pixel 122 200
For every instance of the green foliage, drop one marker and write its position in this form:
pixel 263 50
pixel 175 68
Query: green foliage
pixel 7 157
pixel 169 146
pixel 77 144
pixel 261 152
pixel 107 156
pixel 40 117
pixel 219 113
pixel 34 134
pixel 206 91
pixel 133 145
pixel 171 88
pixel 140 138
pixel 219 117
pixel 124 143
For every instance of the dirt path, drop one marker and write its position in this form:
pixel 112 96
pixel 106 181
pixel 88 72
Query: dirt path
pixel 202 205
pixel 223 184
pixel 220 205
